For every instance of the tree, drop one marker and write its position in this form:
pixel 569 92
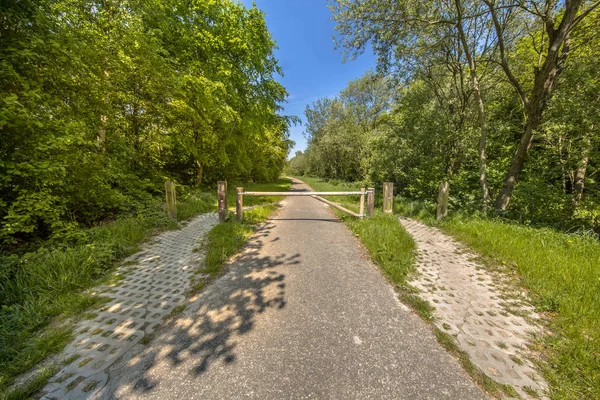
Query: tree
pixel 402 34
pixel 338 129
pixel 102 100
pixel 558 22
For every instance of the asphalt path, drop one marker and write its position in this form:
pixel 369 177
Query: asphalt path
pixel 301 313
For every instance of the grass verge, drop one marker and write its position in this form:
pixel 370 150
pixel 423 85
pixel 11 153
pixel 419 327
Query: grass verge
pixel 226 239
pixel 562 274
pixel 42 293
pixel 390 246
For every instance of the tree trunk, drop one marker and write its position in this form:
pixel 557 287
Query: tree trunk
pixel 481 148
pixel 199 170
pixel 102 133
pixel 545 77
pixel 562 164
pixel 480 110
pixel 579 181
pixel 517 163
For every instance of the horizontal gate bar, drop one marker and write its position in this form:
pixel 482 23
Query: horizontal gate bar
pixel 304 193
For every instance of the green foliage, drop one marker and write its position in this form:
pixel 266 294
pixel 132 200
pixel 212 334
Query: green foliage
pixel 430 133
pixel 561 273
pixel 297 165
pixel 101 101
pixel 338 129
pixel 277 185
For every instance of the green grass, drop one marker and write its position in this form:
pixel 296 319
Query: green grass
pixel 226 239
pixel 281 185
pixel 42 293
pixel 490 385
pixel 195 203
pixel 33 386
pixel 390 246
pixel 562 274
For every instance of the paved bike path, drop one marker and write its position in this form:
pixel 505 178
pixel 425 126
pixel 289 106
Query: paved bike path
pixel 301 313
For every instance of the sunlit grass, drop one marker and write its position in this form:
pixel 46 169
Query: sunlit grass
pixel 281 185
pixel 562 274
pixel 390 246
pixel 225 239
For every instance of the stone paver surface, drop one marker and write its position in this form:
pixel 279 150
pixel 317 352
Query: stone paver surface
pixel 154 283
pixel 471 304
pixel 301 313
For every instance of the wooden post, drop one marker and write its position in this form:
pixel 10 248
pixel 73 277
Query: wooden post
pixel 222 197
pixel 171 202
pixel 239 204
pixel 442 208
pixel 388 197
pixel 361 211
pixel 370 202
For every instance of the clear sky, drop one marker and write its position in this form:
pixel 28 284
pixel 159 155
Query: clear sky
pixel 311 65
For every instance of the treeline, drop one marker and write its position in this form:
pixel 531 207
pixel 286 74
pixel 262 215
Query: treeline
pixel 501 99
pixel 101 101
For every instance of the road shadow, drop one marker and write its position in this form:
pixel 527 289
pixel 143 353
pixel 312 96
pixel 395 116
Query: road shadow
pixel 206 333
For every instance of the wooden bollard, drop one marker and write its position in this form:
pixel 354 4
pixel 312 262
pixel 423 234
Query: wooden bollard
pixel 171 200
pixel 222 198
pixel 239 204
pixel 362 203
pixel 442 208
pixel 370 202
pixel 388 197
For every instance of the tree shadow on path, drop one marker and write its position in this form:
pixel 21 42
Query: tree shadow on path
pixel 206 333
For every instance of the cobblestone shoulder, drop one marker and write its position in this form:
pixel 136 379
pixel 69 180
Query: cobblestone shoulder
pixel 472 305
pixel 155 281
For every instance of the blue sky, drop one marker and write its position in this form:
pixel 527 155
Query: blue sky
pixel 311 65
